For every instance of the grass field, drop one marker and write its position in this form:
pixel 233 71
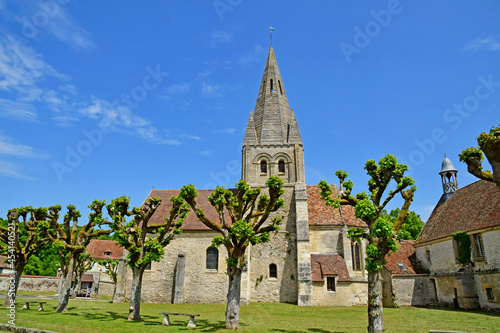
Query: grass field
pixel 103 316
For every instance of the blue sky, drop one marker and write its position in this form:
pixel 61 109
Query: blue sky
pixel 103 99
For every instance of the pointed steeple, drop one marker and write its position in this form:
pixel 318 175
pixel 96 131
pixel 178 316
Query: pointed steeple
pixel 272 116
pixel 272 145
pixel 250 136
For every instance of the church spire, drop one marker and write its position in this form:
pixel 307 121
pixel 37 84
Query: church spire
pixel 272 145
pixel 272 116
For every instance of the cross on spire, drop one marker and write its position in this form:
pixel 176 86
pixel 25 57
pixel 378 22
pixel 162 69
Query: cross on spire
pixel 271 29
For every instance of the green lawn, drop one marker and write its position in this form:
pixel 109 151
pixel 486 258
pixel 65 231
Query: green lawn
pixel 102 316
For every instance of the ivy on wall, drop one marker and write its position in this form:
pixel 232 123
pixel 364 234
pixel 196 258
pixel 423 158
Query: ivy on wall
pixel 464 246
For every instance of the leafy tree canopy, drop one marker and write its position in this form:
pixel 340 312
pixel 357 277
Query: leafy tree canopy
pixel 411 226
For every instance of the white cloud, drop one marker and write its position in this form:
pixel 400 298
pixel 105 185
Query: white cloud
pixel 121 118
pixel 65 121
pixel 192 137
pixel 205 153
pixel 178 88
pixel 21 68
pixel 256 54
pixel 226 131
pixel 220 37
pixel 210 90
pixel 9 170
pixel 489 43
pixel 17 110
pixel 8 147
pixel 59 23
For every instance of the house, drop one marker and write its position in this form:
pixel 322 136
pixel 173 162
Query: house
pixel 475 210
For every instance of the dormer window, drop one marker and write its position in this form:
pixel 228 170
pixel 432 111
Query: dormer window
pixel 107 253
pixel 263 167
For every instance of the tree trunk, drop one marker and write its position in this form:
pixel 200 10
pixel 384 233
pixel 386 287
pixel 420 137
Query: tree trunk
pixel 62 305
pixel 375 306
pixel 233 298
pixel 135 294
pixel 10 298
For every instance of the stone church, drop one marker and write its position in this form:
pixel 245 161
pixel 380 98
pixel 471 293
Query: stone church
pixel 310 261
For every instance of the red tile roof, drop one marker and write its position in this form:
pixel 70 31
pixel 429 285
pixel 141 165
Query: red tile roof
pixel 406 257
pixel 191 222
pixel 475 206
pixel 87 278
pixel 329 264
pixel 321 214
pixel 97 248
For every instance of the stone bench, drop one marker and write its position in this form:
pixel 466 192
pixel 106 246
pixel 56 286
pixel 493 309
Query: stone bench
pixel 27 305
pixel 166 319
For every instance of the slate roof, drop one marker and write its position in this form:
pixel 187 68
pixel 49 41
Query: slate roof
pixel 321 214
pixel 329 264
pixel 406 257
pixel 473 207
pixel 97 248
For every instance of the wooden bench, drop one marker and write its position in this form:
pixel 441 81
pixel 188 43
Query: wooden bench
pixel 27 305
pixel 166 319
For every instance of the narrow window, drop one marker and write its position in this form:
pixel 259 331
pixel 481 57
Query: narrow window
pixel 271 86
pixel 356 258
pixel 263 167
pixel 489 294
pixel 212 258
pixel 478 242
pixel 148 267
pixel 456 248
pixel 281 166
pixel 279 84
pixel 428 255
pixel 273 271
pixel 330 283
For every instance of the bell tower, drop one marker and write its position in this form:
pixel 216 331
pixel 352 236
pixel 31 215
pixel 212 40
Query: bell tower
pixel 272 145
pixel 448 177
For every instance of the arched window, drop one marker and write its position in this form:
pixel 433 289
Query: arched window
pixel 273 271
pixel 281 166
pixel 263 167
pixel 271 86
pixel 356 258
pixel 212 258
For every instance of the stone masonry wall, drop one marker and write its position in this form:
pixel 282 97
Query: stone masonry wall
pixel 414 290
pixel 32 283
pixel 280 250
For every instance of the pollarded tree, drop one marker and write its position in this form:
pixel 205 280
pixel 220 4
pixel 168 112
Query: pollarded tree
pixel 145 243
pixel 71 241
pixel 382 234
pixel 19 248
pixel 248 211
pixel 489 144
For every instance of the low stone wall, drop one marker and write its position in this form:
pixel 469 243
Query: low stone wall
pixel 414 290
pixel 32 283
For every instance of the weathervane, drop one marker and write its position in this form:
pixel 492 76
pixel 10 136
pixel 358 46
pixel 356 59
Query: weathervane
pixel 271 29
